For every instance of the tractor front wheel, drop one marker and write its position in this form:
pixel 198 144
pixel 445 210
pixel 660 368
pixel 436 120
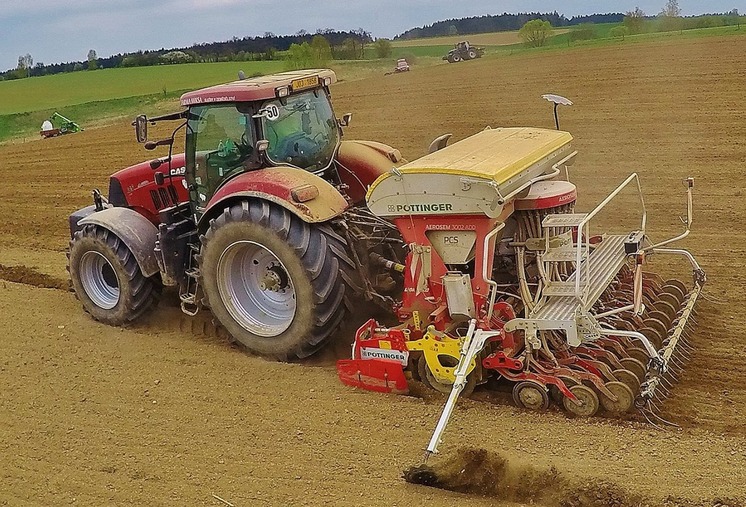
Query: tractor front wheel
pixel 274 281
pixel 107 279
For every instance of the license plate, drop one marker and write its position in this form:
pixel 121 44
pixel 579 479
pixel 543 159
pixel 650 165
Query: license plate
pixel 306 82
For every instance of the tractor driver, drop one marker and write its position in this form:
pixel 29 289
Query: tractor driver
pixel 302 131
pixel 224 141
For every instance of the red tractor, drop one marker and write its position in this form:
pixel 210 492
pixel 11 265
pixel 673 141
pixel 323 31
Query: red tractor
pixel 263 218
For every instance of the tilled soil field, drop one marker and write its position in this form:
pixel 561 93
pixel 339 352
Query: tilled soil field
pixel 167 412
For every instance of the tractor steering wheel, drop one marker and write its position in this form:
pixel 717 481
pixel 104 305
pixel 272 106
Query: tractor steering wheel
pixel 296 144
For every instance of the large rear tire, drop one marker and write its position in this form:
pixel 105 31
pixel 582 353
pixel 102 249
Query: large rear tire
pixel 276 283
pixel 107 279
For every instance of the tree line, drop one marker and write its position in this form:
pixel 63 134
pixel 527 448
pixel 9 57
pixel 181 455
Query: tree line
pixel 502 23
pixel 345 45
pixel 537 31
pixel 670 19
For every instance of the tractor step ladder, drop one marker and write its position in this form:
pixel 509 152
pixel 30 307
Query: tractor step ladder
pixel 565 305
pixel 190 297
pixel 596 271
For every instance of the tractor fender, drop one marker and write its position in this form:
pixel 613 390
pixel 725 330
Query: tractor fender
pixel 360 163
pixel 309 197
pixel 136 232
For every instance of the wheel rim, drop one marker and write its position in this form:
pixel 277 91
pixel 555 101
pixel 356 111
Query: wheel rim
pixel 531 396
pixel 624 401
pixel 588 402
pixel 256 289
pixel 99 280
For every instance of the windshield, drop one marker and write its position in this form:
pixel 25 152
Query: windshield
pixel 302 132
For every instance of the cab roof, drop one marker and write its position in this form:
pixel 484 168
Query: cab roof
pixel 259 88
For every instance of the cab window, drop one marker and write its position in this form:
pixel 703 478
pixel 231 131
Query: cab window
pixel 220 140
pixel 301 130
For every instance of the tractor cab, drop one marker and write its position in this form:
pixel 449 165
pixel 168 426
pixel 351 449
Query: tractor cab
pixel 281 120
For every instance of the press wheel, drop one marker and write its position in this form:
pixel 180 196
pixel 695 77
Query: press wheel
pixel 666 307
pixel 660 327
pixel 654 336
pixel 587 402
pixel 628 378
pixel 531 395
pixel 653 277
pixel 660 316
pixel 635 366
pixel 678 284
pixel 671 299
pixel 639 353
pixel 624 395
pixel 653 284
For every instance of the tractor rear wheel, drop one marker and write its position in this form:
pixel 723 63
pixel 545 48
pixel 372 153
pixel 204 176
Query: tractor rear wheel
pixel 107 279
pixel 472 54
pixel 275 282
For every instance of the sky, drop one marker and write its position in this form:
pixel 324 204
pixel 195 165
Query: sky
pixel 56 31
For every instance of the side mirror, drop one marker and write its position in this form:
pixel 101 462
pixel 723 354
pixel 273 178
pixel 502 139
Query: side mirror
pixel 345 121
pixel 141 128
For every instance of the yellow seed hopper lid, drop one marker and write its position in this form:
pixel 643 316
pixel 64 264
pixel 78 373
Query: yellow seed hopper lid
pixel 498 154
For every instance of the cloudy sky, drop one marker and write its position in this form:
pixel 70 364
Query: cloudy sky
pixel 55 31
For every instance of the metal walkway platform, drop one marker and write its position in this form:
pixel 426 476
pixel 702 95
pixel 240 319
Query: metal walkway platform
pixel 596 273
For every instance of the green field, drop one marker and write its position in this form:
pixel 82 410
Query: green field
pixel 61 90
pixel 89 97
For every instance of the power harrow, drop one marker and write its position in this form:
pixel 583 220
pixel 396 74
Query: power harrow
pixel 504 280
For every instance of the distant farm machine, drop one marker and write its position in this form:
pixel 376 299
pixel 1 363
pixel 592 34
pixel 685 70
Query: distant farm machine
pixel 476 251
pixel 401 66
pixel 58 125
pixel 463 51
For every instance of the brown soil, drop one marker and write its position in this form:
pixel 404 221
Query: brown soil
pixel 29 276
pixel 167 412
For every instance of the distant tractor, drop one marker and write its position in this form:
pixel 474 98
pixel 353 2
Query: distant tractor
pixel 463 51
pixel 262 219
pixel 58 125
pixel 401 65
